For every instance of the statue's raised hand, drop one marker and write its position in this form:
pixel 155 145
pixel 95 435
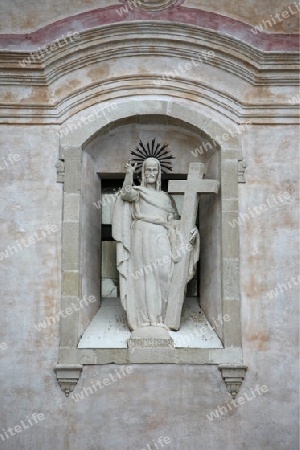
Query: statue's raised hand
pixel 130 168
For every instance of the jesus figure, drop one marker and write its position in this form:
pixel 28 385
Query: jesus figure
pixel 145 226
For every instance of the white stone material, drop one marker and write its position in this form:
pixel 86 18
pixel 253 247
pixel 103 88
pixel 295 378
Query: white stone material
pixel 191 189
pixel 108 287
pixel 109 328
pixel 124 65
pixel 195 330
pixel 156 254
pixel 178 198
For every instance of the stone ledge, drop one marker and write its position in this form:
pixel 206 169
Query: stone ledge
pixel 148 355
pixel 109 330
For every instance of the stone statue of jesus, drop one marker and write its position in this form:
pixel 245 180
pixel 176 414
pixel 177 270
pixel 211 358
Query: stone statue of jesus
pixel 145 226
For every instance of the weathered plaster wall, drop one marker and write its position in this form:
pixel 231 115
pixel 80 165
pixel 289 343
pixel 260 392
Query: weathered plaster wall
pixel 154 400
pixel 14 18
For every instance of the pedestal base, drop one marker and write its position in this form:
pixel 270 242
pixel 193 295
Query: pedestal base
pixel 150 337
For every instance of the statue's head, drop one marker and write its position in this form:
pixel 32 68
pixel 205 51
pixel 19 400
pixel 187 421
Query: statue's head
pixel 151 173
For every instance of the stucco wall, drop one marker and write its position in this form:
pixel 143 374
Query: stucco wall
pixel 168 401
pixel 15 17
pixel 158 400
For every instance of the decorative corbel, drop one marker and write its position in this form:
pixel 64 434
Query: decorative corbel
pixel 233 375
pixel 241 171
pixel 60 166
pixel 68 376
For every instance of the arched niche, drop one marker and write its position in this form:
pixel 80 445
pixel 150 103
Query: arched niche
pixel 105 153
pixel 99 150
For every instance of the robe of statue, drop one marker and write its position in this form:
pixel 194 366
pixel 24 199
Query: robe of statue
pixel 148 246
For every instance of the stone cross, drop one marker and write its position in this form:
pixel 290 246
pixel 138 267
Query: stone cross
pixel 191 188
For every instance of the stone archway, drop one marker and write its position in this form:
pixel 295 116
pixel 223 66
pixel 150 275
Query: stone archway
pixel 71 147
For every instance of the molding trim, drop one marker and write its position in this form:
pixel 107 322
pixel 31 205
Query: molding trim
pixel 98 94
pixel 50 103
pixel 227 26
pixel 207 121
pixel 127 39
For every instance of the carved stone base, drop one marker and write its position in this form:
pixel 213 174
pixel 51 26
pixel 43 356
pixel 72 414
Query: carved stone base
pixel 233 375
pixel 150 337
pixel 68 376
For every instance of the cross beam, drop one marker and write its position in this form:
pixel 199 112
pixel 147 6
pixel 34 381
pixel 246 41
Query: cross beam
pixel 192 188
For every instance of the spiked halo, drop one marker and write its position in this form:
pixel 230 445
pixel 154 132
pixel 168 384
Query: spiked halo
pixel 152 150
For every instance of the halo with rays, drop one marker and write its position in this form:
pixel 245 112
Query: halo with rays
pixel 152 150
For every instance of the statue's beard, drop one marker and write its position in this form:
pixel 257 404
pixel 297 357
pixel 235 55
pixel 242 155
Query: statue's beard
pixel 150 179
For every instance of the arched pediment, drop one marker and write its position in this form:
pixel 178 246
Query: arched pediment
pixel 87 59
pixel 186 111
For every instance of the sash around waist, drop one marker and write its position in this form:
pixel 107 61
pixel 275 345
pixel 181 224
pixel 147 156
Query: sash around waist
pixel 154 220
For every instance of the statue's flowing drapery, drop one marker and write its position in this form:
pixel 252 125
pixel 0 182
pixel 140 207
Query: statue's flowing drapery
pixel 147 249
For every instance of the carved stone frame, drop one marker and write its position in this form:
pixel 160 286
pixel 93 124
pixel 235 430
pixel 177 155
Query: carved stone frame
pixel 229 359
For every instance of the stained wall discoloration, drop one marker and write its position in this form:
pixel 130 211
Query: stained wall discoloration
pixel 36 15
pixel 155 400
